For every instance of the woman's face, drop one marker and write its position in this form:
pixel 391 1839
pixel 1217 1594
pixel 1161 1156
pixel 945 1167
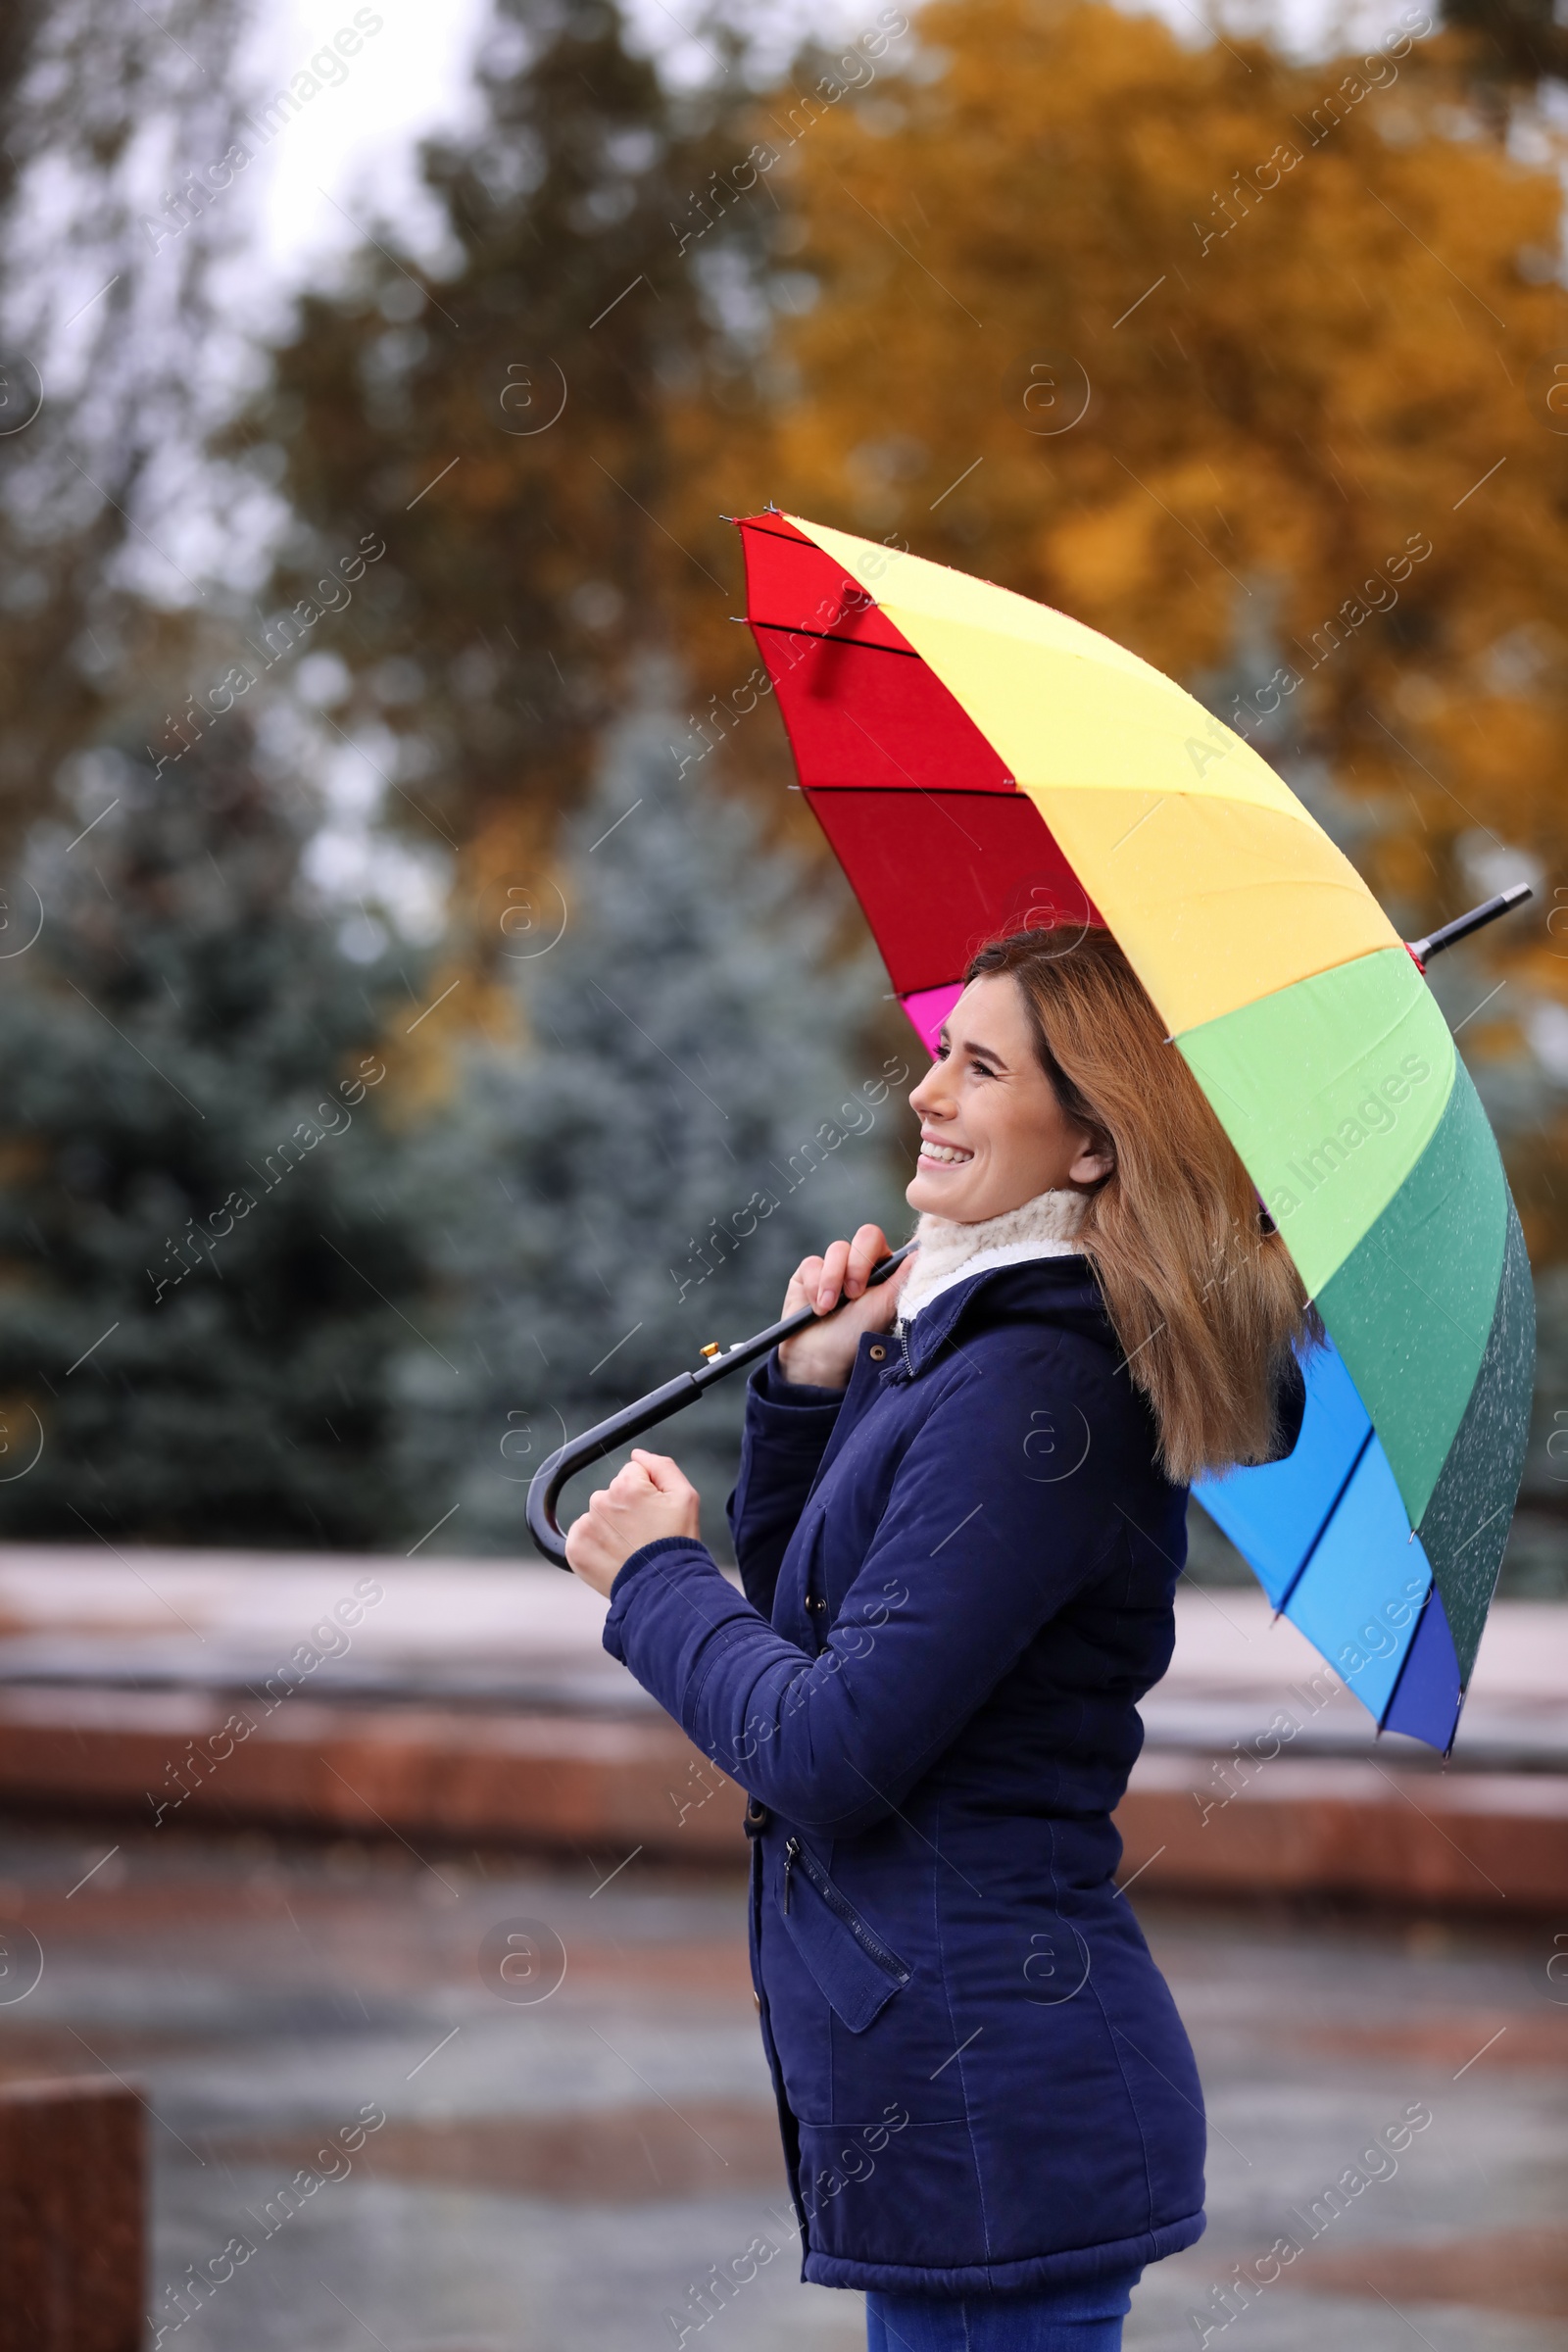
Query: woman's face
pixel 993 1133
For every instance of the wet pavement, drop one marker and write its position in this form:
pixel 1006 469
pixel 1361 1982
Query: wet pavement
pixel 459 2103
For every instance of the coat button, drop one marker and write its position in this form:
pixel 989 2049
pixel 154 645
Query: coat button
pixel 877 1352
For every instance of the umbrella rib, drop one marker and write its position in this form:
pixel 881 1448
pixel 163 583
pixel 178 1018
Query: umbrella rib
pixel 1289 1593
pixel 864 645
pixel 920 788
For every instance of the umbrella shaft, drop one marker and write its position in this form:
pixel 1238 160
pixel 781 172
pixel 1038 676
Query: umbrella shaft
pixel 658 1405
pixel 1423 950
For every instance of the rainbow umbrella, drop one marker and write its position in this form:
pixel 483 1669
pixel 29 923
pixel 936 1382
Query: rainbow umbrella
pixel 980 763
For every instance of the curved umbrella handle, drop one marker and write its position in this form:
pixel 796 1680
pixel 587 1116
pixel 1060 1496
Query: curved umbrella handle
pixel 543 1489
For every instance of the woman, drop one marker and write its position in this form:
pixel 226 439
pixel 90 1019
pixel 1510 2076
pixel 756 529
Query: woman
pixel 959 1534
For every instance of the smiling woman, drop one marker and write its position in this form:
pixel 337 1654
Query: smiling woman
pixel 960 1542
pixel 994 1131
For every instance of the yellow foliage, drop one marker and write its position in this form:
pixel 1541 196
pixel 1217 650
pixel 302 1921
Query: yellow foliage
pixel 1228 357
pixel 1197 343
pixel 1106 557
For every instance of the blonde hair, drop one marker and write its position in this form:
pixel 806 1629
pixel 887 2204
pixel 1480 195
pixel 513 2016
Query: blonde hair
pixel 1199 1289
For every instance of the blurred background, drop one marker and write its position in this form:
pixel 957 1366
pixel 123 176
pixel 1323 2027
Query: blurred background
pixel 413 964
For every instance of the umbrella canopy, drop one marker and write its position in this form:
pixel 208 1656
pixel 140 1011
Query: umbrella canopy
pixel 981 763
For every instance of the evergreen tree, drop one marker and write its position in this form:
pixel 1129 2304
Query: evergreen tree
pixel 203 1262
pixel 694 1106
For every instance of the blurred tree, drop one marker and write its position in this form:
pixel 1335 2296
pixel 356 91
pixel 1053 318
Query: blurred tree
pixel 202 1242
pixel 513 421
pixel 1159 334
pixel 699 1108
pixel 1515 41
pixel 106 117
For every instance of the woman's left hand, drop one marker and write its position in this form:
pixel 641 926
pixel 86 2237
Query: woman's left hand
pixel 651 1496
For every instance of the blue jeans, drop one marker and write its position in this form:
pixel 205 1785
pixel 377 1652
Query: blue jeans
pixel 1083 2317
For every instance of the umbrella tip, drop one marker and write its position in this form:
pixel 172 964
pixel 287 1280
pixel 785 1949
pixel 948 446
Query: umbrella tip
pixel 1423 950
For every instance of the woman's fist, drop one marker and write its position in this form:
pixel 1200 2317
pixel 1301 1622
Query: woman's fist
pixel 651 1496
pixel 823 1358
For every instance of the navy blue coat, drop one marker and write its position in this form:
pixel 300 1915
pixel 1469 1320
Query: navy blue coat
pixel 959 1577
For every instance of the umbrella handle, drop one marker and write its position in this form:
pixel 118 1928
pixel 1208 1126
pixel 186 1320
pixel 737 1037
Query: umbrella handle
pixel 543 1489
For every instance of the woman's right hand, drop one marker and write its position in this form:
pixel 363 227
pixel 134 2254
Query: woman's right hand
pixel 823 1355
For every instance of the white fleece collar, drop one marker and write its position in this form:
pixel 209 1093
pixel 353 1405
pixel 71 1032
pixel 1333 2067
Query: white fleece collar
pixel 949 1253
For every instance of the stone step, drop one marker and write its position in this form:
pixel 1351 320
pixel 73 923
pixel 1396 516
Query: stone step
pixel 537 1782
pixel 1190 1823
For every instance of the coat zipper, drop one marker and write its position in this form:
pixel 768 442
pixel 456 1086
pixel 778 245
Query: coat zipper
pixel 815 1875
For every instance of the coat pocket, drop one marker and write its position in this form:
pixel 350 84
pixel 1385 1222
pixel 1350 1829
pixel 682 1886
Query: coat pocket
pixel 855 1971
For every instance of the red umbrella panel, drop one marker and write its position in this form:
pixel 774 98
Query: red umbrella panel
pixel 964 856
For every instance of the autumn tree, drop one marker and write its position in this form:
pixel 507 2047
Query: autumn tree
pixel 1209 348
pixel 1514 44
pixel 511 422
